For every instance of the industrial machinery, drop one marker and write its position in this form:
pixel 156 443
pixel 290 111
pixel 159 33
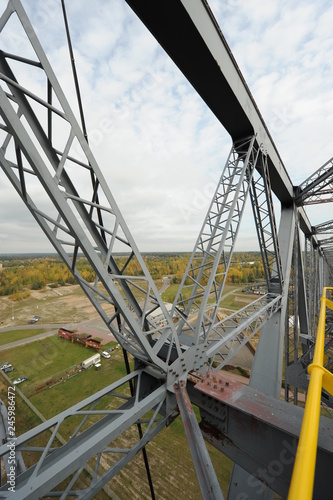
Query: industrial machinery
pixel 46 156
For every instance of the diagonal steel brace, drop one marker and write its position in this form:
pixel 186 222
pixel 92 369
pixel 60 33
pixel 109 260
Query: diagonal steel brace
pixel 209 484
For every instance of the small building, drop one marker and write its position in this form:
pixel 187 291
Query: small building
pixel 157 317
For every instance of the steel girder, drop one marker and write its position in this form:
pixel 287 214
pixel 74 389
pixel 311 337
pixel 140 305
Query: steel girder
pixel 263 210
pixel 292 322
pixel 325 227
pixel 297 322
pixel 202 285
pixel 307 265
pixel 79 214
pixel 318 187
pixel 303 312
pixel 232 333
pixel 102 418
pixel 260 432
pixel 76 218
pixel 209 484
pixel 312 286
pixel 201 289
pixel 201 52
pixel 266 372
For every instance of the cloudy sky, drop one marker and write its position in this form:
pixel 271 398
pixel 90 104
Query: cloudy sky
pixel 163 151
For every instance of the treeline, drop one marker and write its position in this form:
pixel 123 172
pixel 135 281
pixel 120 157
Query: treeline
pixel 159 265
pixel 20 276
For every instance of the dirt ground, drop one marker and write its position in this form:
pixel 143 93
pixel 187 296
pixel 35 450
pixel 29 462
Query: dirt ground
pixel 67 304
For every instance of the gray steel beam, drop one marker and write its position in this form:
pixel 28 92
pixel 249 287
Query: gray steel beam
pixel 303 308
pixel 90 438
pixel 189 33
pixel 209 484
pixel 14 460
pixel 297 331
pixel 260 433
pixel 72 220
pixel 266 372
pixel 324 227
pixel 316 187
pixel 305 225
pixel 263 210
pixel 233 332
pixel 191 36
pixel 200 291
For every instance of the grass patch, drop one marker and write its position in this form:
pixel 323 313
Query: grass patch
pixel 53 358
pixel 25 417
pixel 72 390
pixel 41 360
pixel 229 301
pixel 169 455
pixel 170 293
pixel 237 300
pixel 14 335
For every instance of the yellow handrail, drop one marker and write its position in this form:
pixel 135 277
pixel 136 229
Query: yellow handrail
pixel 301 486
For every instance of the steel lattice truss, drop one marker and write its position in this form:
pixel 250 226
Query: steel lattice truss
pixel 314 292
pixel 263 209
pixel 325 227
pixel 232 333
pixel 78 212
pixel 308 269
pixel 202 286
pixel 210 260
pixel 318 187
pixel 47 159
pixel 100 419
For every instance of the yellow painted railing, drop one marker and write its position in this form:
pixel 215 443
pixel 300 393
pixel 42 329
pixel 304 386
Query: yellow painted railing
pixel 301 486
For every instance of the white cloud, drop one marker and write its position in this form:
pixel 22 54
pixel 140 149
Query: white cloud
pixel 160 149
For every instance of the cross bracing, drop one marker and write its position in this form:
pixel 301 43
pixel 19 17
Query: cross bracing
pixel 94 437
pixel 47 159
pixel 318 187
pixel 325 227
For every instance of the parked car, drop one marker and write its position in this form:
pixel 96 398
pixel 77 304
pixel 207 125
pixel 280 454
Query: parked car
pixel 9 368
pixel 4 365
pixel 19 380
pixel 106 354
pixel 34 319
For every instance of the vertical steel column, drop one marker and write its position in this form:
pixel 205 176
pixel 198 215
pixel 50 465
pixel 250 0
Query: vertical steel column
pixel 311 291
pixel 321 280
pixel 316 296
pixel 303 311
pixel 297 321
pixel 266 373
pixel 295 330
pixel 307 270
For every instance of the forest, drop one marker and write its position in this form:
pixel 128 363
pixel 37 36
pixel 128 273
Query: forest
pixel 21 274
